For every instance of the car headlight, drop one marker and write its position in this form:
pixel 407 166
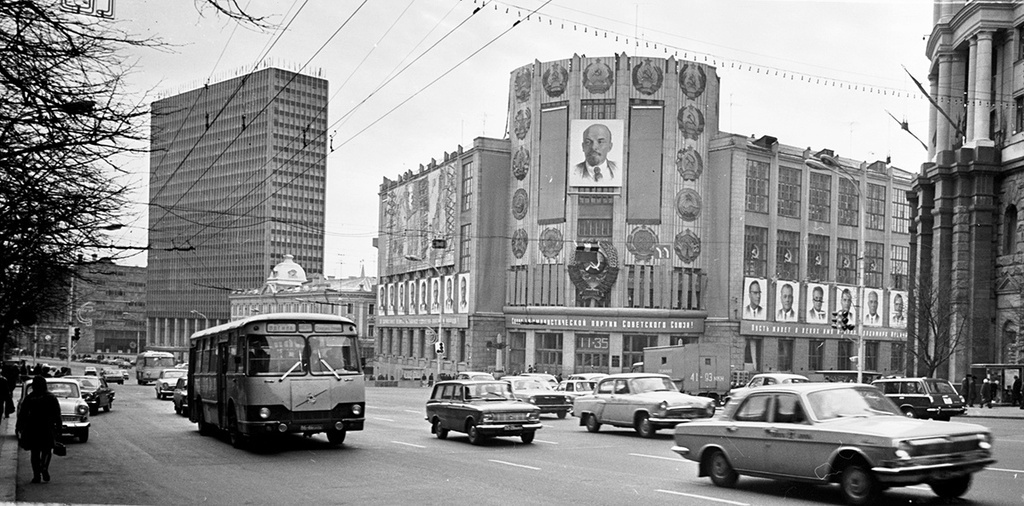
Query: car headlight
pixel 903 450
pixel 710 409
pixel 985 441
pixel 164 386
pixel 533 416
pixel 532 400
pixel 488 417
pixel 82 409
pixel 661 408
pixel 357 409
pixel 264 413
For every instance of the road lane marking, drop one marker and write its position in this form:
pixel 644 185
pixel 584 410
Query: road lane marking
pixel 545 442
pixel 673 459
pixel 704 497
pixel 513 465
pixel 413 411
pixel 1004 470
pixel 384 419
pixel 408 444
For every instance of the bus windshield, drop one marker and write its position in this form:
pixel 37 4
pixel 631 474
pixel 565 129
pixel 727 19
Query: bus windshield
pixel 275 354
pixel 330 354
pixel 158 362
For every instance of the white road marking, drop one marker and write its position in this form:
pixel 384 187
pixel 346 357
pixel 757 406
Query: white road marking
pixel 413 411
pixel 545 442
pixel 704 497
pixel 408 444
pixel 673 459
pixel 1004 470
pixel 514 465
pixel 384 419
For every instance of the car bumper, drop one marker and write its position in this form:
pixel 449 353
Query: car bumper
pixel 509 429
pixel 304 426
pixel 67 427
pixel 910 475
pixel 554 409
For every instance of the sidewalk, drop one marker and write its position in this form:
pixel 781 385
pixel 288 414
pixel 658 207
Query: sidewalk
pixel 994 412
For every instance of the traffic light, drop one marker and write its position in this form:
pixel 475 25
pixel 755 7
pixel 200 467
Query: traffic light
pixel 76 335
pixel 439 348
pixel 835 319
pixel 841 320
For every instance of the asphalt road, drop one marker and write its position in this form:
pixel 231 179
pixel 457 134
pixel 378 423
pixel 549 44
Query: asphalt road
pixel 142 453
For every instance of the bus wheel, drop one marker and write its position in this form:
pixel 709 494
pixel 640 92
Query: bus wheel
pixel 204 428
pixel 336 437
pixel 238 440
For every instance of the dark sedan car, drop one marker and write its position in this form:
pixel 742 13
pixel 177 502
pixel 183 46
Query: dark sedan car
pixel 481 409
pixel 95 392
pixel 180 396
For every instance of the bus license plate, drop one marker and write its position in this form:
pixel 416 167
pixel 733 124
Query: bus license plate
pixel 311 427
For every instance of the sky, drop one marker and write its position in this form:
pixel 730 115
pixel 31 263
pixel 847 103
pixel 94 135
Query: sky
pixel 812 73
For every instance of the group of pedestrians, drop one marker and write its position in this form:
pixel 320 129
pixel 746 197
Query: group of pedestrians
pixel 991 391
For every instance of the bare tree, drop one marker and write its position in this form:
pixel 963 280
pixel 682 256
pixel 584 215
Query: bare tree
pixel 939 330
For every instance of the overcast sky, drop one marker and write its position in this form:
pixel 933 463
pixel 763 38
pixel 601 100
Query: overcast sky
pixel 457 89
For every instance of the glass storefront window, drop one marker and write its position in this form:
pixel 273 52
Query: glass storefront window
pixel 592 352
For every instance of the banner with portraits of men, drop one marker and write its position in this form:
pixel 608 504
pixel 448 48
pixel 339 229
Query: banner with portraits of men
pixel 423 300
pixel 400 298
pixel 817 303
pixel 382 299
pixel 462 302
pixel 753 299
pixel 897 309
pixel 448 296
pixel 872 307
pixel 787 299
pixel 435 295
pixel 846 300
pixel 414 299
pixel 391 298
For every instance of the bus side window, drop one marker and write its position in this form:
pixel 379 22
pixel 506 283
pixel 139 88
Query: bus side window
pixel 259 359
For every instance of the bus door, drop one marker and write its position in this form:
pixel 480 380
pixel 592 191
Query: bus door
pixel 222 396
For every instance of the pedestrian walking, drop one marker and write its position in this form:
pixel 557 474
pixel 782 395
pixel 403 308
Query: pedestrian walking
pixel 6 403
pixel 1018 398
pixel 967 389
pixel 39 425
pixel 987 391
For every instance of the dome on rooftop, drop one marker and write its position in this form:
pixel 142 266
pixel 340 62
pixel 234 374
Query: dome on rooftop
pixel 287 273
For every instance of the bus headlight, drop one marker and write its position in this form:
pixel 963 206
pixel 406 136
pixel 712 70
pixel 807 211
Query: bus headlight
pixel 357 409
pixel 264 413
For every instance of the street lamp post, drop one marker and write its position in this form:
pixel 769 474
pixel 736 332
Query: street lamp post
pixel 206 321
pixel 829 163
pixel 440 315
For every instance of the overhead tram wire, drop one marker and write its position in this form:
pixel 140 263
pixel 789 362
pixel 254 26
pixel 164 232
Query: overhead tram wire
pixel 428 85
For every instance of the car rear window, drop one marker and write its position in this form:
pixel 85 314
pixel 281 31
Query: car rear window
pixel 940 387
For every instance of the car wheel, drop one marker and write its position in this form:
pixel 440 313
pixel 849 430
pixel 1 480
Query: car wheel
pixel 83 436
pixel 475 437
pixel 721 471
pixel 951 488
pixel 438 431
pixel 592 424
pixel 908 412
pixel 527 437
pixel 336 437
pixel 643 426
pixel 857 485
pixel 561 415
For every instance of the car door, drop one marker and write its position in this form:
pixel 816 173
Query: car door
pixel 598 403
pixel 619 407
pixel 791 448
pixel 747 433
pixel 443 406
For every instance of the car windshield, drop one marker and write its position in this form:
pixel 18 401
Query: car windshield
pixel 652 384
pixel 795 380
pixel 89 384
pixel 64 390
pixel 332 354
pixel 940 387
pixel 846 402
pixel 496 391
pixel 529 384
pixel 174 373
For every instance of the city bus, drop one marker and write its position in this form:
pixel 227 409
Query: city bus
pixel 149 364
pixel 277 373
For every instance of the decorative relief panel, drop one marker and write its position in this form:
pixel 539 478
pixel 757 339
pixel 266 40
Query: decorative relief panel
pixel 641 242
pixel 520 204
pixel 521 163
pixel 687 246
pixel 690 121
pixel 554 80
pixel 689 164
pixel 522 123
pixel 647 77
pixel 598 77
pixel 688 204
pixel 519 243
pixel 550 242
pixel 523 82
pixel 692 80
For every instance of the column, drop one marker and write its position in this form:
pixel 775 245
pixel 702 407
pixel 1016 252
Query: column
pixel 933 116
pixel 972 88
pixel 942 126
pixel 983 92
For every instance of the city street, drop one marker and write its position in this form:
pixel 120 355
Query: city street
pixel 142 453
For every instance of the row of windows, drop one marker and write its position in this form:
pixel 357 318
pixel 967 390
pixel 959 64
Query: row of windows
pixel 846 350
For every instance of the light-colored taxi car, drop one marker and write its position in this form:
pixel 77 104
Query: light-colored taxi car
pixel 590 376
pixel 166 380
pixel 538 392
pixel 481 409
pixel 576 387
pixel 844 433
pixel 74 411
pixel 550 379
pixel 644 401
pixel 475 375
pixel 112 375
pixel 764 379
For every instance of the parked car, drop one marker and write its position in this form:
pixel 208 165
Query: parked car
pixel 166 380
pixel 644 401
pixel 590 376
pixel 763 379
pixel 118 376
pixel 843 433
pixel 481 409
pixel 923 397
pixel 180 396
pixel 551 380
pixel 537 392
pixel 74 411
pixel 475 375
pixel 95 392
pixel 576 387
pixel 90 371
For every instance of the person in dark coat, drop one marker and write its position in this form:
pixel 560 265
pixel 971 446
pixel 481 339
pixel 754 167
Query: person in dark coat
pixel 967 389
pixel 5 397
pixel 39 425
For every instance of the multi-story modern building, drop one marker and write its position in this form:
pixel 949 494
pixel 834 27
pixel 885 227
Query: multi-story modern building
pixel 966 242
pixel 627 220
pixel 287 290
pixel 237 179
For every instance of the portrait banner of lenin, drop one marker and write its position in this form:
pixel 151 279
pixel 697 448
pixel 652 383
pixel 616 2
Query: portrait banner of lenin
pixel 596 148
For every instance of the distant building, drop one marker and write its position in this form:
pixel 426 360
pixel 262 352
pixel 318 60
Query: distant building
pixel 287 290
pixel 237 179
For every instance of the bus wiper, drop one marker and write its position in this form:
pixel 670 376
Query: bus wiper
pixel 290 370
pixel 328 366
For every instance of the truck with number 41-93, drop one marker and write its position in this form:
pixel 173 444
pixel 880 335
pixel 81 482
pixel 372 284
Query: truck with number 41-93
pixel 696 369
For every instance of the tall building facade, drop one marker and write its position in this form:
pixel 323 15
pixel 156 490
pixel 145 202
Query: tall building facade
pixel 628 220
pixel 966 244
pixel 237 180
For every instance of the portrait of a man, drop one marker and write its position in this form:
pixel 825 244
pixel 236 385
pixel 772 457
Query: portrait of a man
pixel 401 298
pixel 464 293
pixel 391 298
pixel 413 306
pixel 602 145
pixel 449 294
pixel 897 312
pixel 872 316
pixel 423 296
pixel 785 298
pixel 817 310
pixel 382 298
pixel 435 295
pixel 752 308
pixel 846 302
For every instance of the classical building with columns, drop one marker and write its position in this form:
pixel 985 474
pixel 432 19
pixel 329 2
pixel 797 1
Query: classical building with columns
pixel 617 217
pixel 966 240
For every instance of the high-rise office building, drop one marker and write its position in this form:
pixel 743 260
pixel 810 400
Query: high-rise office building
pixel 237 181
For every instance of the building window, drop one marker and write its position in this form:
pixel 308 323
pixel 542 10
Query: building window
pixel 597 109
pixel 821 198
pixel 817 257
pixel 467 186
pixel 899 270
pixel 873 262
pixel 1018 114
pixel 787 259
pixel 849 205
pixel 752 354
pixel 871 355
pixel 757 186
pixel 844 354
pixel 633 348
pixel 875 210
pixel 846 270
pixel 549 352
pixel 756 247
pixel 464 246
pixel 900 213
pixel 790 188
pixel 785 357
pixel 595 218
pixel 1010 230
pixel 1020 42
pixel 370 308
pixel 896 356
pixel 816 355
